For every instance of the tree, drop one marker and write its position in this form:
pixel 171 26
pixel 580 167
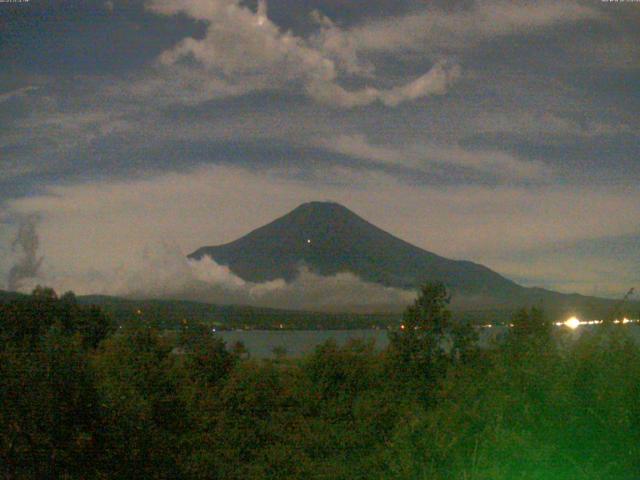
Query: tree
pixel 279 352
pixel 137 386
pixel 428 340
pixel 240 350
pixel 531 326
pixel 205 357
pixel 49 415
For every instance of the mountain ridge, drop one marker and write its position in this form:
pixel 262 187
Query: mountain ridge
pixel 328 238
pixel 334 241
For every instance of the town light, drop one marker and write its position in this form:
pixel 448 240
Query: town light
pixel 572 323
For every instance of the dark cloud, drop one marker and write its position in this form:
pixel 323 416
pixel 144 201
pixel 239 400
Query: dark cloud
pixel 62 38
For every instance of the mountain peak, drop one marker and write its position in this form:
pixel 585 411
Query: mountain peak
pixel 320 204
pixel 318 215
pixel 322 208
pixel 328 238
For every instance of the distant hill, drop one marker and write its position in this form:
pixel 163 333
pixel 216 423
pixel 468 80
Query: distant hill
pixel 328 238
pixel 174 313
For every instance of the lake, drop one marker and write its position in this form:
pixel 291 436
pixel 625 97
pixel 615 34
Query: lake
pixel 261 343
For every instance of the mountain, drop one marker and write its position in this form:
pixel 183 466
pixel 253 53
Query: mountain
pixel 328 238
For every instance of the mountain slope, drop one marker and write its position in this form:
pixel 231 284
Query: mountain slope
pixel 328 238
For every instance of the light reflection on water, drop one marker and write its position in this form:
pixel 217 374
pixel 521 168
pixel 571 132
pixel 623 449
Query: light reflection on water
pixel 261 343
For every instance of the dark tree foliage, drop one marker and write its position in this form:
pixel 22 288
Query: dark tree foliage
pixel 27 320
pixel 545 414
pixel 80 400
pixel 48 410
pixel 140 404
pixel 49 418
pixel 204 357
pixel 428 340
pixel 531 325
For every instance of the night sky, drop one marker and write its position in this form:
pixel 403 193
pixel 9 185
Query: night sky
pixel 506 133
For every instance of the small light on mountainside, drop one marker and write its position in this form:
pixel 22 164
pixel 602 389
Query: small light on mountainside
pixel 572 323
pixel 309 241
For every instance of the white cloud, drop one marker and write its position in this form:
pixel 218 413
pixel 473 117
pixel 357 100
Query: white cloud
pixel 163 271
pixel 424 156
pixel 244 51
pixel 435 82
pixel 179 84
pixel 242 44
pixel 336 44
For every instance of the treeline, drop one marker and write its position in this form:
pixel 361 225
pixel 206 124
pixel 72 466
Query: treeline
pixel 80 398
pixel 174 314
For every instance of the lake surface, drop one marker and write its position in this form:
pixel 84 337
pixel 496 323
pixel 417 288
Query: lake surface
pixel 261 343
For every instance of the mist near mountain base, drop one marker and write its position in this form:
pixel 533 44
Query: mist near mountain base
pixel 163 271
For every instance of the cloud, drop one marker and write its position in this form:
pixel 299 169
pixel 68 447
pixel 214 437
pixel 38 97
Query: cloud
pixel 548 125
pixel 588 275
pixel 102 226
pixel 242 44
pixel 337 45
pixel 435 82
pixel 163 271
pixel 12 169
pixel 5 97
pixel 558 91
pixel 244 51
pixel 424 156
pixel 358 146
pixel 452 31
pixel 48 136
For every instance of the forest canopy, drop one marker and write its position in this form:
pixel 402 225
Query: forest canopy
pixel 80 398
